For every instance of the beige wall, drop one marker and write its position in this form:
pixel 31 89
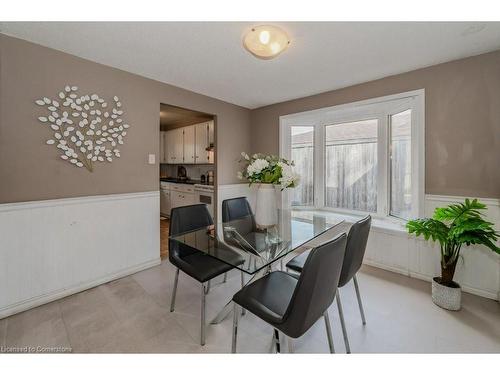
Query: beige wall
pixel 462 124
pixel 462 119
pixel 31 170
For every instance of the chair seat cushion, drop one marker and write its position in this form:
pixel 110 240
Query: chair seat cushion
pixel 201 266
pixel 297 263
pixel 268 297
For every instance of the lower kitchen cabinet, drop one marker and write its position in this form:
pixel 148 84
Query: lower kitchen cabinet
pixel 180 198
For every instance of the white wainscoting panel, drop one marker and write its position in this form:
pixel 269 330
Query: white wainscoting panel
pixel 391 248
pixel 51 249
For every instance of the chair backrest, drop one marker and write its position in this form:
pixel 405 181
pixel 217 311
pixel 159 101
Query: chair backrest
pixel 355 249
pixel 184 219
pixel 316 287
pixel 238 211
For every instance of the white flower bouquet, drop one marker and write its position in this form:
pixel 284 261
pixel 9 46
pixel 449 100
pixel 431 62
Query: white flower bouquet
pixel 268 169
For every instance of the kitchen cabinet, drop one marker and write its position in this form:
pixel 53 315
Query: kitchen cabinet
pixel 211 142
pixel 180 198
pixel 163 147
pixel 175 146
pixel 165 202
pixel 201 143
pixel 189 144
pixel 175 195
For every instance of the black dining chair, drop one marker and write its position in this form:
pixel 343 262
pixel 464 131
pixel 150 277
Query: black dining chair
pixel 355 251
pixel 293 304
pixel 194 263
pixel 240 214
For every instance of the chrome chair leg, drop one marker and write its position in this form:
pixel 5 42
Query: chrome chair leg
pixel 225 278
pixel 272 349
pixel 361 311
pixel 174 292
pixel 277 341
pixel 329 332
pixel 204 291
pixel 342 323
pixel 236 315
pixel 290 345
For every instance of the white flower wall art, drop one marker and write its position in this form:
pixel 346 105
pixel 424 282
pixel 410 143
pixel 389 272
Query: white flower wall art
pixel 86 130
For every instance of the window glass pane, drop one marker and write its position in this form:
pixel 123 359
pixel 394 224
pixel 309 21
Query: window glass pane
pixel 351 165
pixel 400 152
pixel 303 156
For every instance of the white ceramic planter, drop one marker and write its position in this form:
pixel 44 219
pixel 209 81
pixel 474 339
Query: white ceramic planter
pixel 445 296
pixel 266 214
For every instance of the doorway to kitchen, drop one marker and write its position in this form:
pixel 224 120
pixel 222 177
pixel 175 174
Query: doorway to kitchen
pixel 187 163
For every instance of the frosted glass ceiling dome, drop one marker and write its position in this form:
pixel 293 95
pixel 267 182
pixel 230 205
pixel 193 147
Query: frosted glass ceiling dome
pixel 266 41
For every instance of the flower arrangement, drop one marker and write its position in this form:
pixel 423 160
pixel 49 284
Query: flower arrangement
pixel 268 169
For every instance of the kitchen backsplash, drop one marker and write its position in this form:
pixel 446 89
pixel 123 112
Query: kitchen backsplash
pixel 193 171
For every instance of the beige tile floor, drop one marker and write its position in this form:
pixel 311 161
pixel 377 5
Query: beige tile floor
pixel 132 315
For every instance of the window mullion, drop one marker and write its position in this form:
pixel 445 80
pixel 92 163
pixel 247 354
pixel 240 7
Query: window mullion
pixel 383 166
pixel 319 165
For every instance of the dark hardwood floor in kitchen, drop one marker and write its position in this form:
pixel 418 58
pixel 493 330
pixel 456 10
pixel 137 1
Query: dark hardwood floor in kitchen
pixel 164 223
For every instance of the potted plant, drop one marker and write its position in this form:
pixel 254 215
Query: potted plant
pixel 454 226
pixel 267 171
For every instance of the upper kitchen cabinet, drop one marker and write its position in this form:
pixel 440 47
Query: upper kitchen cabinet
pixel 211 142
pixel 163 147
pixel 189 144
pixel 175 146
pixel 201 153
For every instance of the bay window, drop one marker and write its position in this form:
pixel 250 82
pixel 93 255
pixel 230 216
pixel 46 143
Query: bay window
pixel 363 157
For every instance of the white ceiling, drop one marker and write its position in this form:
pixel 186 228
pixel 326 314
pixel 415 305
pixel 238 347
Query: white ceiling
pixel 208 58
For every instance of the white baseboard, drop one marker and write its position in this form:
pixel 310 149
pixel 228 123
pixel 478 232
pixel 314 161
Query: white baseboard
pixel 420 276
pixel 43 299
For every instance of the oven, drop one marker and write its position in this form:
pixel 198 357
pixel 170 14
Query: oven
pixel 205 194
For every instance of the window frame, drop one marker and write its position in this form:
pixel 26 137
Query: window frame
pixel 381 108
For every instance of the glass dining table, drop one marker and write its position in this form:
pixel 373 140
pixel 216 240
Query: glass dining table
pixel 253 249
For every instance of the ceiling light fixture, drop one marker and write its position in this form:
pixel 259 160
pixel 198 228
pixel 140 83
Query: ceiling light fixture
pixel 266 41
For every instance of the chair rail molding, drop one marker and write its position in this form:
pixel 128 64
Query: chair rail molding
pixel 54 248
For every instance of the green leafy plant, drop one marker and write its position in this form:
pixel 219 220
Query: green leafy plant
pixel 454 226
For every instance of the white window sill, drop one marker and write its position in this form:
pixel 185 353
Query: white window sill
pixel 392 226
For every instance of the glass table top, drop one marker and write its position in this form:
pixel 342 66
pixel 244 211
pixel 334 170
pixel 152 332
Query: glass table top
pixel 245 245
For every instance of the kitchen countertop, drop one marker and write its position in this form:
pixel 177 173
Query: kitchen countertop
pixel 187 182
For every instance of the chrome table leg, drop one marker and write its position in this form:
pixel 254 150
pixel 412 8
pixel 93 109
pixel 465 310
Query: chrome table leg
pixel 243 311
pixel 226 310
